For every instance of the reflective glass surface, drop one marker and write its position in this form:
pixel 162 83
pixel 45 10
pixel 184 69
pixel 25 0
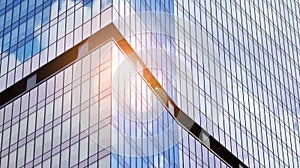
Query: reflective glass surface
pixel 232 66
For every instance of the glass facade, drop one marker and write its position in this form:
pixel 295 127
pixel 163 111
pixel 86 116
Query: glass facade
pixel 231 69
pixel 35 32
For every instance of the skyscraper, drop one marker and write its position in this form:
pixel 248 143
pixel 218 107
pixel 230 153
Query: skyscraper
pixel 117 83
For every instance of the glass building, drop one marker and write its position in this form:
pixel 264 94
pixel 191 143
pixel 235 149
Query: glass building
pixel 158 83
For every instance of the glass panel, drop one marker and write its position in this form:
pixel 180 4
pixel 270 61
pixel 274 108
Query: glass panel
pixel 28 50
pixel 13 159
pixel 74 154
pixel 64 160
pixel 36 44
pixel 58 107
pixel 83 149
pixel 70 23
pixel 47 140
pixel 105 108
pixel 49 113
pixel 21 156
pixel 66 130
pixel 67 102
pixel 6 137
pixel 38 146
pixel 23 128
pixel 104 136
pixel 29 151
pixel 53 34
pixel 45 39
pixel 105 79
pixel 56 135
pixel 61 28
pixel 87 12
pixel 54 10
pixel 105 162
pixel 75 125
pixel 78 17
pixel 55 160
pixel 31 123
pixel 29 29
pixel 46 14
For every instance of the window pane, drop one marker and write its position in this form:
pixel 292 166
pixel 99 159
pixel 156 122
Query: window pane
pixel 83 149
pixel 66 130
pixel 74 154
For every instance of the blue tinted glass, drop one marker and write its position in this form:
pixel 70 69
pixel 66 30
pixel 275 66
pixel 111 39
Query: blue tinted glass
pixel 30 26
pixel 8 2
pixel 1 40
pixel 14 36
pixel 38 2
pixel 45 39
pixel 8 18
pixel 114 160
pixel 38 20
pixel 105 4
pixel 60 3
pixel 31 6
pixel 28 50
pixel 87 12
pixel 2 4
pixel 22 31
pixel 20 54
pixel 36 45
pixel 6 41
pixel 16 13
pixel 1 21
pixel 23 8
pixel 46 14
